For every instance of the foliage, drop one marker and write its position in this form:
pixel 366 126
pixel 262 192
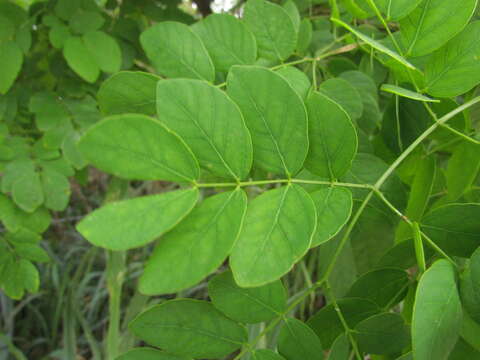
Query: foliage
pixel 289 180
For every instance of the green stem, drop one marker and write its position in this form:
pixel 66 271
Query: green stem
pixel 283 181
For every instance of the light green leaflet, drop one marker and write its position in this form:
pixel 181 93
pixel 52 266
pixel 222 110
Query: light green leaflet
pixel 135 146
pixel 129 92
pixel 274 114
pixel 385 286
pixel 384 333
pixel 176 51
pixel 304 35
pixel 189 327
pixel 328 326
pixel 297 79
pixel 149 354
pixel 56 189
pixel 397 90
pixel 333 139
pixel 462 169
pixel 209 122
pixel 197 246
pixel 297 341
pixel 375 44
pixel 292 11
pixel 363 83
pixel 247 305
pixel 273 28
pixel 459 238
pixel 11 60
pixel 18 276
pixel 436 302
pixel 455 68
pixel 228 41
pixel 334 207
pixel 104 50
pixel 80 60
pixel 345 95
pixel 132 223
pixel 433 23
pixel 278 231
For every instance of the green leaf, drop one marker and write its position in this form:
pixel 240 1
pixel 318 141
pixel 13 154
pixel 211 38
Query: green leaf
pixel 65 9
pixel 80 59
pixel 32 252
pixel 334 207
pixel 333 139
pixel 134 146
pixel 402 255
pixel 247 305
pixel 15 219
pixel 420 192
pixel 297 79
pixel 462 169
pixel 436 302
pixel 344 94
pixel 176 51
pixel 454 69
pixel 132 223
pixel 228 41
pixel 328 326
pixel 375 44
pixel 433 23
pixel 340 349
pixel 363 83
pixel 86 21
pixel 274 114
pixel 129 92
pixel 475 271
pixel 196 247
pixel 56 189
pixel 26 189
pixel 393 9
pixel 297 341
pixel 397 90
pixel 305 33
pixel 266 354
pixel 189 327
pixel 384 333
pixel 209 122
pixel 149 354
pixel 277 232
pixel 104 50
pixel 17 277
pixel 7 29
pixel 470 290
pixel 11 60
pixel 385 287
pixel 273 28
pixel 459 238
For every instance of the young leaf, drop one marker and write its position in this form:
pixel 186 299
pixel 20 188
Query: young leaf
pixel 384 333
pixel 397 90
pixel 297 341
pixel 11 60
pixel 209 122
pixel 228 41
pixel 385 287
pixel 436 302
pixel 343 93
pixel 129 92
pixel 375 44
pixel 149 354
pixel 334 207
pixel 454 69
pixel 278 230
pixel 459 238
pixel 80 59
pixel 176 51
pixel 247 305
pixel 197 246
pixel 190 328
pixel 333 139
pixel 273 28
pixel 132 223
pixel 274 114
pixel 328 326
pixel 433 23
pixel 104 50
pixel 135 146
pixel 462 169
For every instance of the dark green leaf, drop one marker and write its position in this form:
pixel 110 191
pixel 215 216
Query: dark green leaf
pixel 149 354
pixel 297 341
